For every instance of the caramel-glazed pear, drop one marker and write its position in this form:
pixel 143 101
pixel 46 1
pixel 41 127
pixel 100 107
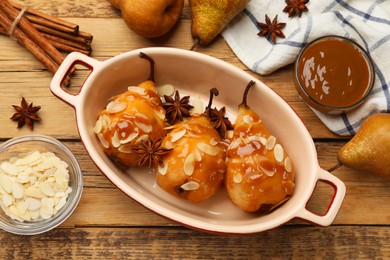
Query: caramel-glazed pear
pixel 131 118
pixel 369 149
pixel 260 173
pixel 194 169
pixel 209 18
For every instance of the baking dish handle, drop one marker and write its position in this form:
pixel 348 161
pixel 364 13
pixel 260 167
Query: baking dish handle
pixel 335 204
pixel 64 70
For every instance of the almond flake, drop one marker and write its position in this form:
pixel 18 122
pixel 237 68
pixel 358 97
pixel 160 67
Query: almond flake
pixel 237 178
pixel 197 104
pixel 115 140
pixel 213 142
pixel 8 168
pixel 197 155
pixel 270 142
pixel 257 138
pixel 126 148
pixel 33 204
pixel 189 165
pixel 6 183
pixel 166 90
pixel 288 164
pixel 98 126
pixel 7 200
pixel 130 138
pixel 177 135
pixel 191 185
pixel 159 114
pixel 142 138
pixel 144 127
pixel 116 106
pixel 136 90
pixel 247 119
pixel 103 141
pixel 278 153
pixel 207 149
pixel 17 190
pixel 267 172
pixel 140 115
pixel 46 189
pixel 163 170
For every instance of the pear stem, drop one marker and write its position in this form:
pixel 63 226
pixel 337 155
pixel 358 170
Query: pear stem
pixel 244 98
pixel 338 165
pixel 196 44
pixel 151 62
pixel 213 92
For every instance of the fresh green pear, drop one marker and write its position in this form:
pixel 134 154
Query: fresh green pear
pixel 209 18
pixel 369 149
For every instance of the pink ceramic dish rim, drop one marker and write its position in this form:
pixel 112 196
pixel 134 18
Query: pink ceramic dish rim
pixel 299 207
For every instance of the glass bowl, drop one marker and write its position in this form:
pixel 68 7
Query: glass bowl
pixel 25 144
pixel 333 74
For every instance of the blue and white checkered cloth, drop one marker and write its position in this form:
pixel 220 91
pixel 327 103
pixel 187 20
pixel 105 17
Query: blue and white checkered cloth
pixel 367 22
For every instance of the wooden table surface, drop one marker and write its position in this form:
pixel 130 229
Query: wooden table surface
pixel 107 224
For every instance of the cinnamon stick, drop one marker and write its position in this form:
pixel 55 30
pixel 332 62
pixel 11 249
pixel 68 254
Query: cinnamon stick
pixel 50 24
pixel 30 31
pixel 70 37
pixel 30 45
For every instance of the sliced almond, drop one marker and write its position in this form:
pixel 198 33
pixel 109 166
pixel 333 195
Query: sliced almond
pixel 137 90
pixel 126 148
pixel 197 155
pixel 163 170
pixel 237 178
pixel 98 126
pixel 191 185
pixel 207 149
pixel 257 138
pixel 271 141
pixel 144 127
pixel 6 182
pixel 198 106
pixel 165 90
pixel 213 142
pixel 159 114
pixel 247 119
pixel 116 106
pixel 278 153
pixel 288 164
pixel 115 140
pixel 17 190
pixel 103 141
pixel 140 115
pixel 189 164
pixel 177 135
pixel 142 138
pixel 129 138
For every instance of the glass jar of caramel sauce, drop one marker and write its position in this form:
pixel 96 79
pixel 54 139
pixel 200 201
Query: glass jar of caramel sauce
pixel 333 74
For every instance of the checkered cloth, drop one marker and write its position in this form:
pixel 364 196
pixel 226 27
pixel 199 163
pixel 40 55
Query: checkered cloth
pixel 367 22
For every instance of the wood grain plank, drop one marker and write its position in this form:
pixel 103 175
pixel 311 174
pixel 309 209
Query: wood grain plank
pixel 292 242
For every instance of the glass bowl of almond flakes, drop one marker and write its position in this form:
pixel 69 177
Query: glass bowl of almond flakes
pixel 41 184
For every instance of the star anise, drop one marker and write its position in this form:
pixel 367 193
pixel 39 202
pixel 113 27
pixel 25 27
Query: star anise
pixel 271 29
pixel 26 114
pixel 150 152
pixel 220 122
pixel 295 7
pixel 176 108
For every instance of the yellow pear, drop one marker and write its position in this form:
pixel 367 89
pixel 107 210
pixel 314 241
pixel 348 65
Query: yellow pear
pixel 209 18
pixel 369 149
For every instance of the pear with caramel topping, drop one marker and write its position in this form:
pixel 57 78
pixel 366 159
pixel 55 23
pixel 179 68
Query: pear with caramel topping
pixel 130 119
pixel 194 169
pixel 259 174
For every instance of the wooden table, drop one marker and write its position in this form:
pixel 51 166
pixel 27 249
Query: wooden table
pixel 107 224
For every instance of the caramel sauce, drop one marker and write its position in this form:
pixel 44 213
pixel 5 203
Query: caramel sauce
pixel 334 73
